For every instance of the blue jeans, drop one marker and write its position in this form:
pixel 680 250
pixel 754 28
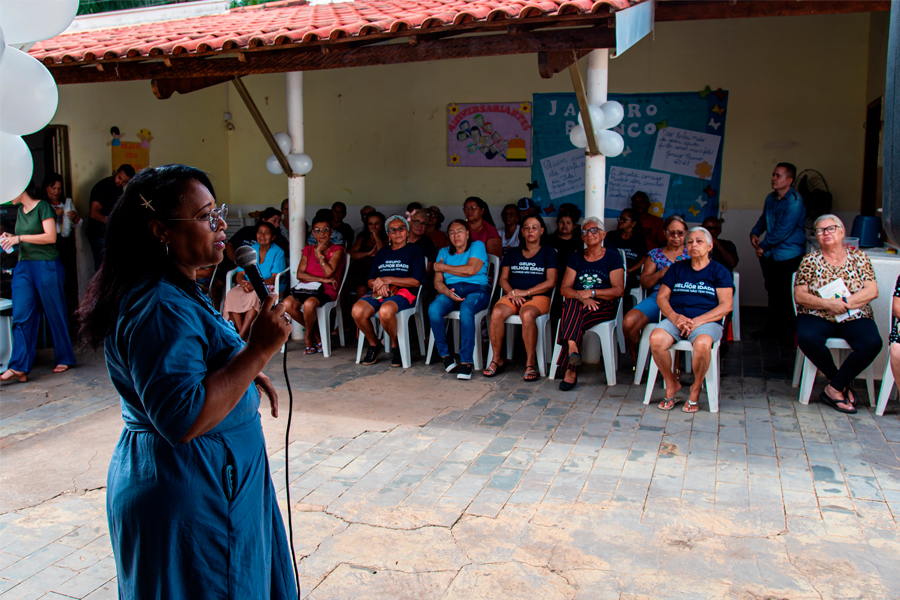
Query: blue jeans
pixel 475 299
pixel 37 286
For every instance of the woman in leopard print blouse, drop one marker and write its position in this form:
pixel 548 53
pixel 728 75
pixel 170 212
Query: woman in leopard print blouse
pixel 849 318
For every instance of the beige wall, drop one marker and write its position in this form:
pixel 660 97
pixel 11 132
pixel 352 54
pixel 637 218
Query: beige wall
pixel 186 129
pixel 798 90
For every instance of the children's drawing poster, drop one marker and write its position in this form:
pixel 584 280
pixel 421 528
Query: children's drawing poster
pixel 489 135
pixel 673 152
pixel 136 154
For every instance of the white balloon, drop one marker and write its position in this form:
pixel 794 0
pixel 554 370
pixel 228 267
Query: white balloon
pixel 597 118
pixel 284 142
pixel 273 166
pixel 301 164
pixel 16 167
pixel 613 113
pixel 28 94
pixel 578 137
pixel 610 143
pixel 2 44
pixel 26 21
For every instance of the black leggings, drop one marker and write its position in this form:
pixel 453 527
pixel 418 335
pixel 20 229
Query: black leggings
pixel 861 334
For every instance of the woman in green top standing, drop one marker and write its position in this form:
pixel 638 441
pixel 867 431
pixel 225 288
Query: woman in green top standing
pixel 38 275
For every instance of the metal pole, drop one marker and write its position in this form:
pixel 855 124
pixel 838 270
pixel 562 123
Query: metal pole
pixel 595 166
pixel 296 185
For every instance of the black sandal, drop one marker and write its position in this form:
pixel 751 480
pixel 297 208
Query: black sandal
pixel 834 403
pixel 531 373
pixel 491 371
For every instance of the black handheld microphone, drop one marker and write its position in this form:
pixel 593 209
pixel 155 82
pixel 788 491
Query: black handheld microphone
pixel 246 258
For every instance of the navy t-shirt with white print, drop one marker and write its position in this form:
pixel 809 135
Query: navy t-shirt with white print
pixel 526 273
pixel 694 292
pixel 408 261
pixel 594 275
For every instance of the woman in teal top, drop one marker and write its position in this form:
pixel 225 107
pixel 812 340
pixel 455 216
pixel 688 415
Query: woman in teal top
pixel 461 281
pixel 38 281
pixel 241 303
pixel 191 506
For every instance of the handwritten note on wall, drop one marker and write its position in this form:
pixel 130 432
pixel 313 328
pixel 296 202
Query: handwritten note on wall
pixel 623 183
pixel 564 173
pixel 690 153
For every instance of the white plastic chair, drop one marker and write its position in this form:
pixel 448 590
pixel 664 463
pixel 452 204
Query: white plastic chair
pixel 543 342
pixel 887 385
pixel 805 371
pixel 606 331
pixel 620 335
pixel 736 310
pixel 402 331
pixel 453 316
pixel 323 316
pixel 712 375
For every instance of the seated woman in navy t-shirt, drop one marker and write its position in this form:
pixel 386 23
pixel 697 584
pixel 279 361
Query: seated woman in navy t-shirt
pixel 592 286
pixel 694 297
pixel 397 272
pixel 527 275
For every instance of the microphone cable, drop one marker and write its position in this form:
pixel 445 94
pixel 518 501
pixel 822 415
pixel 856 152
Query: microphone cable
pixel 287 478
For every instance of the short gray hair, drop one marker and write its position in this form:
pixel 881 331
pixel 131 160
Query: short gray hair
pixel 834 218
pixel 705 232
pixel 596 220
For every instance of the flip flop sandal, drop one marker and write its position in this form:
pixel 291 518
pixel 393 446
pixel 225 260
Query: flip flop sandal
pixel 491 371
pixel 319 347
pixel 834 404
pixel 675 402
pixel 531 374
pixel 691 404
pixel 851 400
pixel 309 350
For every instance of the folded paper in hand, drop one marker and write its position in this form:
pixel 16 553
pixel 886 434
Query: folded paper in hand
pixel 838 289
pixel 312 286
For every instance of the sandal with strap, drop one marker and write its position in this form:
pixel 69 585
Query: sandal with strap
pixel 691 406
pixel 491 371
pixel 60 368
pixel 10 375
pixel 531 374
pixel 675 402
pixel 310 350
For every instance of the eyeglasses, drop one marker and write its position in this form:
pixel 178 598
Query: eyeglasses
pixel 590 231
pixel 470 208
pixel 322 230
pixel 675 233
pixel 829 229
pixel 394 230
pixel 213 218
pixel 622 218
pixel 418 222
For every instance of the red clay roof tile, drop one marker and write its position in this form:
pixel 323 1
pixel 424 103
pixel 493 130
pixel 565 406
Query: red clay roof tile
pixel 293 21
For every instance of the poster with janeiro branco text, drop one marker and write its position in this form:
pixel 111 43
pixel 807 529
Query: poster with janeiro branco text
pixel 489 135
pixel 673 152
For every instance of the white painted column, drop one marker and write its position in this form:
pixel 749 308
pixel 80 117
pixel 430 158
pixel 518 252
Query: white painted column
pixel 296 185
pixel 596 87
pixel 595 166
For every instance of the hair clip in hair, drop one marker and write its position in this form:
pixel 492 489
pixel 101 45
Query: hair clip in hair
pixel 146 203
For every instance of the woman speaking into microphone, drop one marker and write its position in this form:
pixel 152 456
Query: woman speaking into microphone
pixel 191 506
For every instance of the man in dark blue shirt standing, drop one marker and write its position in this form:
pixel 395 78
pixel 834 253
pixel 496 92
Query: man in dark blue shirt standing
pixel 781 250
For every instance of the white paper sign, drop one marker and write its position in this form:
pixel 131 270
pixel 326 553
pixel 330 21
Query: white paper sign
pixel 623 183
pixel 685 152
pixel 564 173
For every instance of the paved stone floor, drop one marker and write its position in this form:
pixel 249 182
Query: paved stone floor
pixel 412 484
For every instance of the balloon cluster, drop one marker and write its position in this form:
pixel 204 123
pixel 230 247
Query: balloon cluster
pixel 603 118
pixel 28 94
pixel 301 164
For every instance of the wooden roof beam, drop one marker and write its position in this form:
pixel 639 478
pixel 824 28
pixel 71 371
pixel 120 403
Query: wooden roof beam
pixel 281 61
